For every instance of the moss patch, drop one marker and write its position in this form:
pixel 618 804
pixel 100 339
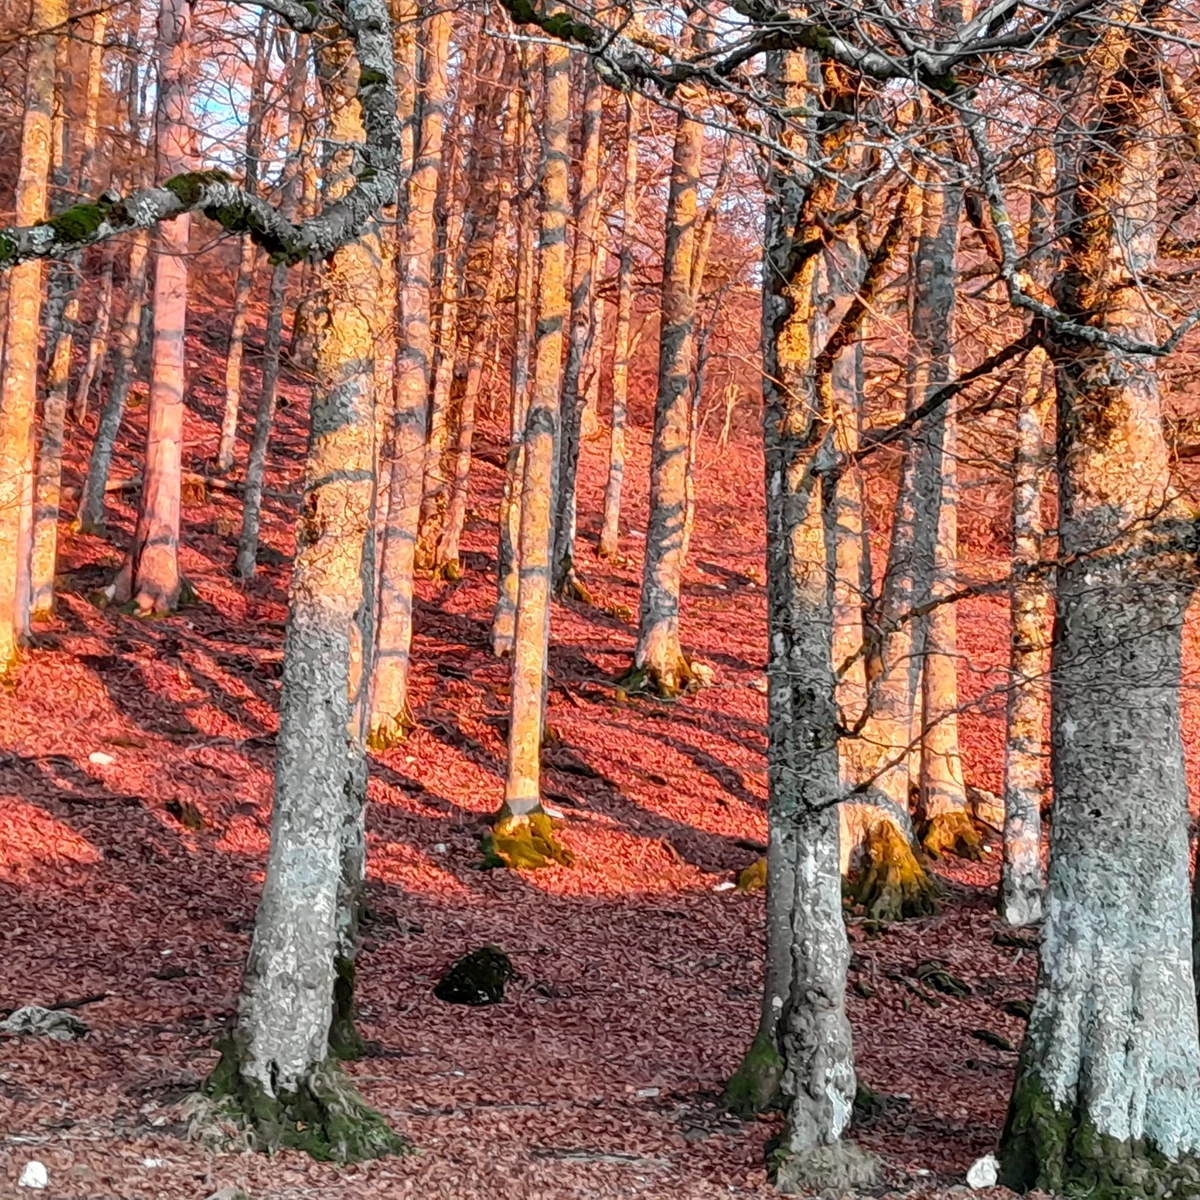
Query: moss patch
pixel 754 877
pixel 754 1086
pixel 476 978
pixel 523 843
pixel 892 885
pixel 1062 1152
pixel 189 187
pixel 78 223
pixel 386 732
pixel 325 1117
pixel 952 833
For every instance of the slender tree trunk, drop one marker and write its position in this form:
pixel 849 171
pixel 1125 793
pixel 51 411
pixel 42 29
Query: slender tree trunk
pixel 581 332
pixel 522 835
pixel 610 532
pixel 1107 1096
pixel 264 413
pixel 659 661
pixel 294 1008
pixel 390 717
pixel 98 341
pixel 91 504
pixel 18 395
pixel 150 577
pixel 504 617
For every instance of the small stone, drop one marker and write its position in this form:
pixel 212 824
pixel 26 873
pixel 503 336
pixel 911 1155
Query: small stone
pixel 53 1023
pixel 440 848
pixel 34 1175
pixel 152 1163
pixel 727 886
pixel 101 760
pixel 984 1172
pixel 647 1092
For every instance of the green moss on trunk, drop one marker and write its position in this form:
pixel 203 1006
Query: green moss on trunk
pixel 325 1117
pixel 893 884
pixel 754 1086
pixel 1062 1152
pixel 952 833
pixel 524 843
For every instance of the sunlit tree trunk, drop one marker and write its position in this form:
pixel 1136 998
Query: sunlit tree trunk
pixel 658 656
pixel 522 836
pixel 610 532
pixel 264 412
pixel 18 392
pixel 97 349
pixel 504 617
pixel 150 577
pixel 1107 1095
pixel 390 717
pixel 581 332
pixel 249 251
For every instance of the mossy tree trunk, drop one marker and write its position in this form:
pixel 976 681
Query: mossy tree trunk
pixel 610 532
pixel 390 716
pixel 18 395
pixel 658 655
pixel 1107 1097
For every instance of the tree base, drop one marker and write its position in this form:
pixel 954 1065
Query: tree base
pixel 754 1086
pixel 325 1117
pixel 524 843
pixel 666 684
pixel 840 1167
pixel 573 588
pixel 952 832
pixel 1063 1153
pixel 389 731
pixel 893 885
pixel 449 571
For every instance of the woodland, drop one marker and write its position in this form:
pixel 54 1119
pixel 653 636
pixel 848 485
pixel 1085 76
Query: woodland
pixel 596 600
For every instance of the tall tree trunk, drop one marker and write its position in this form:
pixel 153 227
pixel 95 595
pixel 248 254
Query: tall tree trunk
pixel 264 413
pixel 150 576
pixel 1107 1096
pixel 610 533
pixel 504 617
pixel 522 836
pixel 390 718
pixel 97 349
pixel 583 312
pixel 18 396
pixel 277 1066
pixel 91 504
pixel 804 1039
pixel 659 661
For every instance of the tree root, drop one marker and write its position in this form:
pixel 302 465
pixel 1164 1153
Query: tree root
pixel 952 832
pixel 679 680
pixel 573 588
pixel 524 843
pixel 389 731
pixel 754 1086
pixel 893 884
pixel 325 1117
pixel 839 1167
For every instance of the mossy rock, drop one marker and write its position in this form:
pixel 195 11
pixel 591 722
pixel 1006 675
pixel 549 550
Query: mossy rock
pixel 476 978
pixel 754 877
pixel 893 885
pixel 952 833
pixel 524 843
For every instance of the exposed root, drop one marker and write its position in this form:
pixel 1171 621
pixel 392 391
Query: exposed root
pixel 524 843
pixel 754 1086
pixel 893 885
pixel 952 832
pixel 573 588
pixel 325 1117
pixel 388 731
pixel 839 1167
pixel 665 683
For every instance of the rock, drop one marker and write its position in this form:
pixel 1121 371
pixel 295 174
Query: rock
pixel 984 1173
pixel 101 759
pixel 34 1175
pixel 44 1022
pixel 476 978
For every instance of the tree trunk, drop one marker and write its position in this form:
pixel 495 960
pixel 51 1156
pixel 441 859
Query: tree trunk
pixel 264 413
pixel 150 577
pixel 581 332
pixel 277 1067
pixel 390 716
pixel 504 617
pixel 610 532
pixel 18 396
pixel 522 836
pixel 98 341
pixel 91 504
pixel 659 661
pixel 1107 1097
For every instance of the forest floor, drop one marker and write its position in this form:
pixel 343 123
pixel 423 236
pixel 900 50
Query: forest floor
pixel 639 968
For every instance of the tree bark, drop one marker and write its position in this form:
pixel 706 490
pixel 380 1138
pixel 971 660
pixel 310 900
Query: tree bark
pixel 390 716
pixel 18 396
pixel 97 349
pixel 1107 1096
pixel 610 532
pixel 659 661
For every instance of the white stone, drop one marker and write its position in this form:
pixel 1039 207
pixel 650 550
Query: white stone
pixel 34 1175
pixel 984 1172
pixel 100 758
